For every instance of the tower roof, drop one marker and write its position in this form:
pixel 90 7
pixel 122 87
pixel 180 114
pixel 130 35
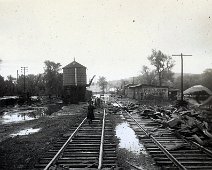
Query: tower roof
pixel 74 64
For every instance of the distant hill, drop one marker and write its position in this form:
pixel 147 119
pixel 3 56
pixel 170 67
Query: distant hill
pixel 130 79
pixel 176 75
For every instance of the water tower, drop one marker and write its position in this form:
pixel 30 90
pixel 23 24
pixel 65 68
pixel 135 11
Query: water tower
pixel 74 83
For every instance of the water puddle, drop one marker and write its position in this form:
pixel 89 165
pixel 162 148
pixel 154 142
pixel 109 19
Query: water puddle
pixel 22 114
pixel 128 139
pixel 25 132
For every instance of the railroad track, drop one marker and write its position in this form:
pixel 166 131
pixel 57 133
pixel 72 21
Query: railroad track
pixel 87 146
pixel 168 150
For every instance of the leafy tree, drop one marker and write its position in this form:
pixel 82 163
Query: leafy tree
pixel 40 85
pixel 9 86
pixel 102 83
pixel 163 65
pixel 51 76
pixel 148 76
pixel 2 86
pixel 32 84
pixel 20 84
pixel 35 84
pixel 11 79
pixel 59 86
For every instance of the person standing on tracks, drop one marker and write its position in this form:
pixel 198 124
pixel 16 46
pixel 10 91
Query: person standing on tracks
pixel 90 112
pixel 98 102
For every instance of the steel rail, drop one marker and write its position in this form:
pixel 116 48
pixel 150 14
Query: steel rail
pixel 102 143
pixel 55 158
pixel 169 155
pixel 205 150
pixel 134 166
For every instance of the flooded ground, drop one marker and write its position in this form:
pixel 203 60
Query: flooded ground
pixel 128 139
pixel 23 152
pixel 24 113
pixel 20 114
pixel 134 150
pixel 18 120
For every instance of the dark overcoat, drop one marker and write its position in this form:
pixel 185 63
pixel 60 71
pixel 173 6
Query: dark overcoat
pixel 90 113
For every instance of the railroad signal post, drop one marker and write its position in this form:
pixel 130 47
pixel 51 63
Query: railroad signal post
pixel 182 74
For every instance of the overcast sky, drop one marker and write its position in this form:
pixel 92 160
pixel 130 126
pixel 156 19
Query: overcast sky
pixel 112 38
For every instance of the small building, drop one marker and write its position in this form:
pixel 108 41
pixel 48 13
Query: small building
pixel 147 92
pixel 127 90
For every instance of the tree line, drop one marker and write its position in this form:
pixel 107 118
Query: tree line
pixel 161 74
pixel 47 83
pixel 50 81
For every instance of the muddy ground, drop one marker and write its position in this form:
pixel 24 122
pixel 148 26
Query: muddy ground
pixel 23 152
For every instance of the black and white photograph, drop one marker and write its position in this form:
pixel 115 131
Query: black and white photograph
pixel 105 84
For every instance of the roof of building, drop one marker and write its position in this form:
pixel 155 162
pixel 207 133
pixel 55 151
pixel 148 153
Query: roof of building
pixel 198 89
pixel 146 85
pixel 74 64
pixel 127 85
pixel 173 89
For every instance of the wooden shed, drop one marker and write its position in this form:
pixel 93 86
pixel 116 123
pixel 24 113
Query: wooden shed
pixel 147 92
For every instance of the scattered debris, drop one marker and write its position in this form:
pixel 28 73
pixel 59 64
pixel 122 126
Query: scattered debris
pixel 192 122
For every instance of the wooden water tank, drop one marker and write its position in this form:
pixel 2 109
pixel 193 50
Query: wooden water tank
pixel 74 74
pixel 74 83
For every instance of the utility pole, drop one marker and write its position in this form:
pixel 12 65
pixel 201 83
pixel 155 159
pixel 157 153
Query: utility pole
pixel 17 77
pixel 181 55
pixel 24 69
pixel 134 88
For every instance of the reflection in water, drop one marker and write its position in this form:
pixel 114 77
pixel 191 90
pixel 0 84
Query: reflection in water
pixel 16 115
pixel 128 139
pixel 25 132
